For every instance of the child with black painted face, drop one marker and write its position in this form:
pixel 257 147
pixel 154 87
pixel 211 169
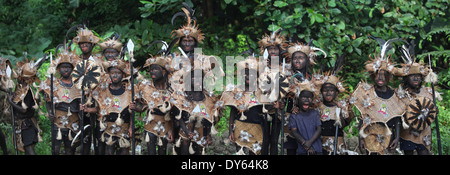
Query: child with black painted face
pixel 306 126
pixel 334 116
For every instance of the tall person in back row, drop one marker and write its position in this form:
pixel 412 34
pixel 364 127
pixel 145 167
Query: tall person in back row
pixel 421 110
pixel 86 40
pixel 271 48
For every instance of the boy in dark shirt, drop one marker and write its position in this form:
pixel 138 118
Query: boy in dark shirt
pixel 306 126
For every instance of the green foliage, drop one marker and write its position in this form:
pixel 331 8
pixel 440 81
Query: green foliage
pixel 222 125
pixel 34 26
pixel 444 125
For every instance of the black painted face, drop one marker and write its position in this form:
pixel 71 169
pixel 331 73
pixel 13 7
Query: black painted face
pixel 156 72
pixel 305 100
pixel 86 47
pixel 329 92
pixel 381 78
pixel 414 81
pixel 273 51
pixel 299 60
pixel 110 54
pixel 115 75
pixel 187 44
pixel 65 69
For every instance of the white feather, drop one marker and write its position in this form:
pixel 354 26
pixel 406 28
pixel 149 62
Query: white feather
pixel 315 48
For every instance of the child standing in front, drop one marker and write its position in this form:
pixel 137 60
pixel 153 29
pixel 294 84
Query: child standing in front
pixel 306 126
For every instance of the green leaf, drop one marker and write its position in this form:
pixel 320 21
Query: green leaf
pixel 259 12
pixel 273 27
pixel 349 49
pixel 332 3
pixel 145 2
pixel 358 50
pixel 228 1
pixel 280 4
pixel 43 43
pixel 313 19
pixel 107 35
pixel 74 3
pixel 341 25
pixel 388 14
pixel 319 18
pixel 357 42
pixel 370 13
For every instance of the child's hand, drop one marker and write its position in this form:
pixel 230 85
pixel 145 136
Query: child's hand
pixel 311 151
pixel 307 144
pixel 362 145
pixel 130 132
pixel 231 137
pixel 276 104
pixel 191 135
pixel 133 106
pixel 295 110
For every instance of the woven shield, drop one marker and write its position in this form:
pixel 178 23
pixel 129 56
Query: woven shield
pixel 421 113
pixel 377 139
pixel 86 75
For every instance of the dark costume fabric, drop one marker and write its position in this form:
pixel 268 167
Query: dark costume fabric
pixel 27 130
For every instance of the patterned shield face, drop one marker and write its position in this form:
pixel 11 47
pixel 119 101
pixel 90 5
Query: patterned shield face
pixel 86 74
pixel 377 139
pixel 269 83
pixel 421 113
pixel 284 86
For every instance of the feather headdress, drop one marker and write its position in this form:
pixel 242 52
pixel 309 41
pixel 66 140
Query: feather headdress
pixel 190 28
pixel 271 40
pixel 113 42
pixel 381 61
pixel 308 50
pixel 410 66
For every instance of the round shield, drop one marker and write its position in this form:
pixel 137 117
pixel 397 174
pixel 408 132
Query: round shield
pixel 421 113
pixel 377 140
pixel 86 74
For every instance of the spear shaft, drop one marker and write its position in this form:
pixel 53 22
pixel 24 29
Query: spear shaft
pixel 130 47
pixel 436 122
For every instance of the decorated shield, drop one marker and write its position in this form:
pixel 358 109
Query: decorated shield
pixel 421 113
pixel 377 139
pixel 86 75
pixel 284 86
pixel 269 82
